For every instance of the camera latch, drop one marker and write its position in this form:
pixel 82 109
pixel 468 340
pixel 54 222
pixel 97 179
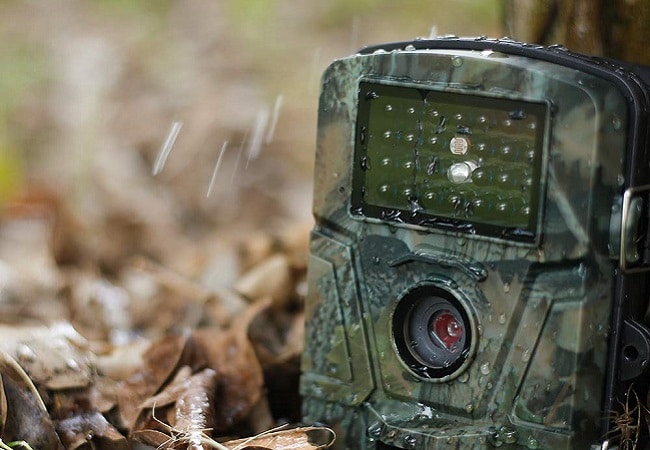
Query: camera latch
pixel 633 229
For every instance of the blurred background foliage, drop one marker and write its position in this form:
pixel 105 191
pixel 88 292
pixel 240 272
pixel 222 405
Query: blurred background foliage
pixel 615 29
pixel 88 85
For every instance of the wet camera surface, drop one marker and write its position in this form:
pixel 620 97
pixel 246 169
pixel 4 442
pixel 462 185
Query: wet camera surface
pixel 478 271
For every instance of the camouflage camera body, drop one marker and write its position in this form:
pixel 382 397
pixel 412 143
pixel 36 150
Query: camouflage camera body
pixel 477 273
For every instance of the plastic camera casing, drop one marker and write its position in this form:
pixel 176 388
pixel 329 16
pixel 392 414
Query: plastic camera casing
pixel 551 305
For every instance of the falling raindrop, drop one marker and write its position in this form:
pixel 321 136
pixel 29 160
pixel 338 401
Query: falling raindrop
pixel 238 160
pixel 216 169
pixel 167 147
pixel 257 139
pixel 279 100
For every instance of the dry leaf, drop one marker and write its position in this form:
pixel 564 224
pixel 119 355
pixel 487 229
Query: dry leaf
pixel 241 378
pixel 160 362
pixel 194 408
pixel 294 242
pixel 271 278
pixel 277 334
pixel 153 438
pixel 55 357
pixel 90 431
pixel 170 393
pixel 3 407
pixel 301 438
pixel 255 249
pixel 101 308
pixel 100 397
pixel 278 339
pixel 24 416
pixel 121 361
pixel 183 411
pixel 192 300
pixel 261 416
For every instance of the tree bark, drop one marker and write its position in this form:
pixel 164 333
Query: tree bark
pixel 617 29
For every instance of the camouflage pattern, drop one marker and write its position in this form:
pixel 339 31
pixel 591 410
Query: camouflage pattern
pixel 539 311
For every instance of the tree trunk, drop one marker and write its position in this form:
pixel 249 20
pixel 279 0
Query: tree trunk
pixel 617 29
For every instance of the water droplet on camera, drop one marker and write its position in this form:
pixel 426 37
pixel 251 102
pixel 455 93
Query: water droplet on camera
pixel 374 430
pixel 502 319
pixel 410 440
pixel 364 163
pixel 508 435
pixel 485 368
pixel 532 443
pixel 518 114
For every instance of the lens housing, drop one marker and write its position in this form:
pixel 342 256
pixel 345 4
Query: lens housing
pixel 432 332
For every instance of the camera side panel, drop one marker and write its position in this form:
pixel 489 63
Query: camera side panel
pixel 336 362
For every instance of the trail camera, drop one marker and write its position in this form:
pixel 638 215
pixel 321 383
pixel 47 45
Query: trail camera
pixel 479 265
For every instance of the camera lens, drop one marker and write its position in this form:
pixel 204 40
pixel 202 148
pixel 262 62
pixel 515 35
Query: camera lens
pixel 446 329
pixel 432 332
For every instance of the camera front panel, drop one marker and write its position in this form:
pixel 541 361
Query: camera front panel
pixel 469 257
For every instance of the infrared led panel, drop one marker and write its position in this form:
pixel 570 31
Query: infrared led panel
pixel 448 159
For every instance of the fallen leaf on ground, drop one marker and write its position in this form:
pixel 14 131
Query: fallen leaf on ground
pixel 241 379
pixel 24 414
pixel 300 438
pixel 160 362
pixel 55 357
pixel 90 431
pixel 181 414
